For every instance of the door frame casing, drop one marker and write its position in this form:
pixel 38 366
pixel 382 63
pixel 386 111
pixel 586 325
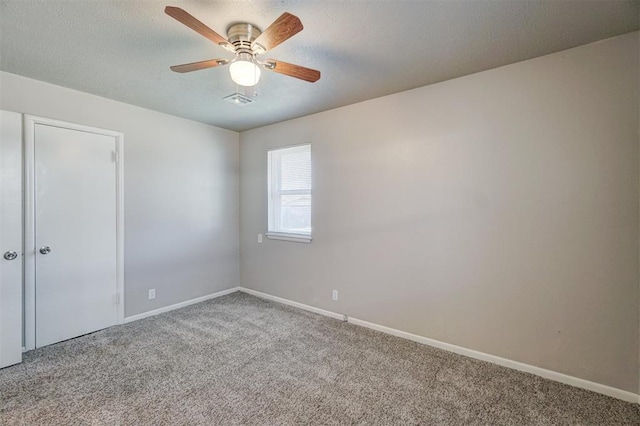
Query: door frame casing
pixel 29 123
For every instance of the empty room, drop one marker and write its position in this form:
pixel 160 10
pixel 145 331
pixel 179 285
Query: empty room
pixel 340 212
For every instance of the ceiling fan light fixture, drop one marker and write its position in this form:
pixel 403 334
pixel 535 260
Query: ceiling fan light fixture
pixel 244 70
pixel 246 41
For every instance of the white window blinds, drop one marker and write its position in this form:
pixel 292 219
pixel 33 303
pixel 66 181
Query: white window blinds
pixel 289 186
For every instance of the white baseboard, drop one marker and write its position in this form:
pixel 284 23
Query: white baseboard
pixel 292 303
pixel 179 305
pixel 538 371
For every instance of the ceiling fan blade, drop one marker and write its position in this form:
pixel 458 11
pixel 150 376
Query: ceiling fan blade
pixel 197 26
pixel 283 28
pixel 195 66
pixel 292 70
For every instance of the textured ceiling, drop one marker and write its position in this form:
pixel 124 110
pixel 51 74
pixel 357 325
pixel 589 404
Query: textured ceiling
pixel 365 49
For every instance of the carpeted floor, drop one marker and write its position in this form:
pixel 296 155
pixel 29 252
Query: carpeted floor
pixel 243 360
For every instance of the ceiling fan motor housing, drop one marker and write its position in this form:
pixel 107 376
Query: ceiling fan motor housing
pixel 241 35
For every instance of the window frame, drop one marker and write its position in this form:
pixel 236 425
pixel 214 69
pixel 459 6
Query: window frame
pixel 275 194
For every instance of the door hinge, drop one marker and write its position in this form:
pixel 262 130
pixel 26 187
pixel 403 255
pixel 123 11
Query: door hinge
pixel 115 156
pixel 117 298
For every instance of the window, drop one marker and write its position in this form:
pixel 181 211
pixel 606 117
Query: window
pixel 289 186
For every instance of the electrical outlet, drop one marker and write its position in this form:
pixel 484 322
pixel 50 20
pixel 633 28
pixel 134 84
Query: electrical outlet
pixel 152 293
pixel 260 238
pixel 334 296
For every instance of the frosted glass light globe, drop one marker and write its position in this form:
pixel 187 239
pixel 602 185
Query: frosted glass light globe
pixel 244 72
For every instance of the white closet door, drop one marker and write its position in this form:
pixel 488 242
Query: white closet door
pixel 11 258
pixel 75 230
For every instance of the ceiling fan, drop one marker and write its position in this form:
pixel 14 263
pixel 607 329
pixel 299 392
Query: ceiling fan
pixel 246 41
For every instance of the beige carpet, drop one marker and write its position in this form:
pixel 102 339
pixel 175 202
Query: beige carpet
pixel 242 360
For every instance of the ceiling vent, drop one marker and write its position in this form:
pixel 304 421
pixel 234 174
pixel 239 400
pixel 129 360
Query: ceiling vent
pixel 238 99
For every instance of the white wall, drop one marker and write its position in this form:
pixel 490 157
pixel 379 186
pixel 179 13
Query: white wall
pixel 180 190
pixel 497 212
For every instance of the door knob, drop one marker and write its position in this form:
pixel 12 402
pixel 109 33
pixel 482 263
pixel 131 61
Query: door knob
pixel 45 249
pixel 10 255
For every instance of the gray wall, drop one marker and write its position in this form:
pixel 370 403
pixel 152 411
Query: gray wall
pixel 497 211
pixel 180 190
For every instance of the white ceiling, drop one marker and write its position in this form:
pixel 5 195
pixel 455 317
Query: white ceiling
pixel 365 49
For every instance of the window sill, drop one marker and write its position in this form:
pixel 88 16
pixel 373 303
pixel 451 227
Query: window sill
pixel 289 237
